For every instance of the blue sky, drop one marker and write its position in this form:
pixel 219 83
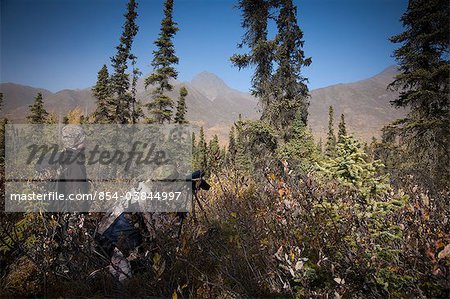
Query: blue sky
pixel 59 44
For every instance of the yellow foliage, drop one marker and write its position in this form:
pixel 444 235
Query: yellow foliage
pixel 74 116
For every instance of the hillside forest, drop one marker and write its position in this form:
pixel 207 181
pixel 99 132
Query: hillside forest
pixel 286 215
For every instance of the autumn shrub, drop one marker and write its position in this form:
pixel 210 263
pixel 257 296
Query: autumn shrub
pixel 288 231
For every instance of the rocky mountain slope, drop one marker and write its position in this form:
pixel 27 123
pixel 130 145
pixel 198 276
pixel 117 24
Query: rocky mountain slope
pixel 214 105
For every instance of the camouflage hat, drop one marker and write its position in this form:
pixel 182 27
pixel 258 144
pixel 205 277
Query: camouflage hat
pixel 72 136
pixel 165 172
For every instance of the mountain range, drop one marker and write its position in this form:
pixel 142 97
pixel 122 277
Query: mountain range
pixel 216 106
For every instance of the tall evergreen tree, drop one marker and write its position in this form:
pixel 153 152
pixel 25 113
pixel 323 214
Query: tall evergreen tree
pixel 232 146
pixel 3 122
pixel 424 86
pixel 102 92
pixel 300 150
pixel 214 154
pixel 330 145
pixel 372 149
pixel 289 88
pixel 342 128
pixel 180 116
pixel 120 80
pixel 223 153
pixel 242 159
pixel 163 62
pixel 136 106
pixel 202 151
pixel 38 114
pixel 195 158
pixel 320 145
pixel 283 92
pixel 255 16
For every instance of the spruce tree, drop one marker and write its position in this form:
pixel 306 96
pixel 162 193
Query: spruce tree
pixel 232 146
pixel 120 80
pixel 289 88
pixel 202 151
pixel 423 82
pixel 372 153
pixel 350 167
pixel 163 62
pixel 330 145
pixel 223 153
pixel 214 154
pixel 3 122
pixel 281 92
pixel 342 128
pixel 180 116
pixel 195 158
pixel 102 92
pixel 38 114
pixel 320 145
pixel 255 16
pixel 242 159
pixel 300 150
pixel 136 106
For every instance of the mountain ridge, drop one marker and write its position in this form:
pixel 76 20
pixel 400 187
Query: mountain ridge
pixel 213 104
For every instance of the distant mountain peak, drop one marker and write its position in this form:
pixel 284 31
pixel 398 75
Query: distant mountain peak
pixel 206 74
pixel 214 105
pixel 390 71
pixel 210 84
pixel 209 78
